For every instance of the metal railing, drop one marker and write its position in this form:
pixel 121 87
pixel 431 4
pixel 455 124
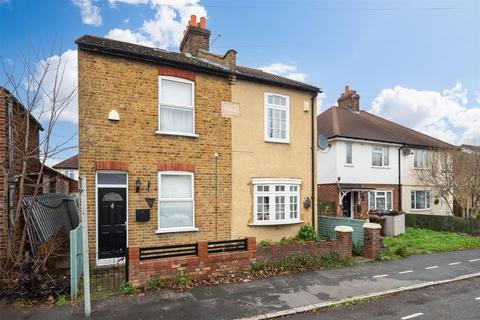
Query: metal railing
pixel 162 252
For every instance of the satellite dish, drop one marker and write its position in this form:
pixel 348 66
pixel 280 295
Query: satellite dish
pixel 322 142
pixel 407 151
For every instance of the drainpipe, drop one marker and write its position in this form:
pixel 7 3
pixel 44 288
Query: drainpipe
pixel 400 178
pixel 312 102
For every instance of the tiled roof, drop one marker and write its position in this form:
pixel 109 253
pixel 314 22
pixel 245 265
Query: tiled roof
pixel 155 55
pixel 70 163
pixel 341 122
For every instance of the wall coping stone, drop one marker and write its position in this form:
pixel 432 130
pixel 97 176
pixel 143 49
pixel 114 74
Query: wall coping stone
pixel 344 229
pixel 372 226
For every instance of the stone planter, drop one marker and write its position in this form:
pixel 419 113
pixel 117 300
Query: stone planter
pixel 394 225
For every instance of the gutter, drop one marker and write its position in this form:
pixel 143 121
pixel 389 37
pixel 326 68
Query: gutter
pixel 312 102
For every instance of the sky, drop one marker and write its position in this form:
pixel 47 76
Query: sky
pixel 413 62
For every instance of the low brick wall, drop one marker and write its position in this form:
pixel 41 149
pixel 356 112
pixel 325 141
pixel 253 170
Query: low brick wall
pixel 276 253
pixel 205 264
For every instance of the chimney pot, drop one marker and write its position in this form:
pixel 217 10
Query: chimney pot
pixel 193 20
pixel 347 88
pixel 350 99
pixel 203 23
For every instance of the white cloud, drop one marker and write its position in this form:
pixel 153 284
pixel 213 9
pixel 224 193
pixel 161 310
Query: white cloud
pixel 321 102
pixel 90 13
pixel 68 66
pixel 443 115
pixel 284 70
pixel 477 96
pixel 165 29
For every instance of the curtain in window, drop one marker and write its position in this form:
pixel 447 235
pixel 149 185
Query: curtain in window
pixel 176 93
pixel 377 157
pixel 176 201
pixel 176 120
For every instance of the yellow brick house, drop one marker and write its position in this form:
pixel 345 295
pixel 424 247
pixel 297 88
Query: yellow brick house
pixel 183 146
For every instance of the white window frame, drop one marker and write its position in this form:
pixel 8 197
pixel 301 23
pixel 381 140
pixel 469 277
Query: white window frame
pixel 192 198
pixel 286 108
pixel 161 104
pixel 349 147
pixel 427 203
pixel 70 173
pixel 386 150
pixel 385 196
pixel 272 194
pixel 420 154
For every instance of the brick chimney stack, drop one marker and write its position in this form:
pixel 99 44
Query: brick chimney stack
pixel 196 36
pixel 349 99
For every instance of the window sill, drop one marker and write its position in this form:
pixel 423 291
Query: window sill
pixel 420 169
pixel 277 141
pixel 170 133
pixel 349 165
pixel 175 230
pixel 380 167
pixel 421 210
pixel 267 224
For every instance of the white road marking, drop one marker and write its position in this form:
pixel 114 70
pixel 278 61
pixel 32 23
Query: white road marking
pixel 381 276
pixel 408 271
pixel 473 260
pixel 412 316
pixel 432 267
pixel 454 263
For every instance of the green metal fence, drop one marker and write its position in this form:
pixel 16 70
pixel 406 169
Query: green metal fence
pixel 326 227
pixel 444 223
pixel 76 261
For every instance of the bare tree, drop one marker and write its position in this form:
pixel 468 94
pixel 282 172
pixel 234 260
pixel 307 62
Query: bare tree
pixel 454 173
pixel 35 92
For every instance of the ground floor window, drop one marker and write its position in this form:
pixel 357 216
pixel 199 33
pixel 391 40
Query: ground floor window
pixel 420 200
pixel 175 201
pixel 276 201
pixel 380 200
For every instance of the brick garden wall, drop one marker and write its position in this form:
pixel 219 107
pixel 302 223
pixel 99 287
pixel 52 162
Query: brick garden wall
pixel 205 263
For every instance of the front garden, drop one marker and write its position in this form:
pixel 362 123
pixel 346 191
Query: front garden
pixel 424 241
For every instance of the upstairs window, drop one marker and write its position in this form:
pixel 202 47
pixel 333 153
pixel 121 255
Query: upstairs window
pixel 348 154
pixel 380 156
pixel 176 106
pixel 276 201
pixel 277 109
pixel 420 159
pixel 420 200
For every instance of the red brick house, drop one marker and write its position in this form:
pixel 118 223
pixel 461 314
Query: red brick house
pixel 13 121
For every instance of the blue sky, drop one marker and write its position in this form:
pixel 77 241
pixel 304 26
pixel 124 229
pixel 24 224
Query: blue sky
pixel 414 62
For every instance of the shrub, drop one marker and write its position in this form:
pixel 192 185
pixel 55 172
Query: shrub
pixel 285 241
pixel 153 283
pixel 183 279
pixel 357 249
pixel 62 299
pixel 265 244
pixel 128 288
pixel 307 233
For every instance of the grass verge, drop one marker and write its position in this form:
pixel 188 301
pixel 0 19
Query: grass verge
pixel 424 241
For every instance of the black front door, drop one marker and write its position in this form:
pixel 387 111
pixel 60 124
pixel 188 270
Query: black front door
pixel 347 204
pixel 112 214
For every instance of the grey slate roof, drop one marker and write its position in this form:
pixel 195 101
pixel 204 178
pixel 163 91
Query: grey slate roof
pixel 155 55
pixel 342 122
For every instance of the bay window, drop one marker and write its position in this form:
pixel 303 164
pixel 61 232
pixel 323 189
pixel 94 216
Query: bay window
pixel 380 156
pixel 277 108
pixel 420 200
pixel 175 201
pixel 276 201
pixel 380 200
pixel 176 111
